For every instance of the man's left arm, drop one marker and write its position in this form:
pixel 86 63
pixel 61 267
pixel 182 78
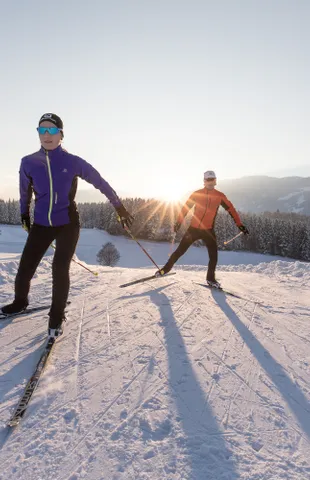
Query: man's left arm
pixel 225 203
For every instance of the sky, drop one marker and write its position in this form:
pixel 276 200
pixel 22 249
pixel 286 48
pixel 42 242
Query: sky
pixel 153 93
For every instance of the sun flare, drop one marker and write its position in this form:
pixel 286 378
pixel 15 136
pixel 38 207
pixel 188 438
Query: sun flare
pixel 172 194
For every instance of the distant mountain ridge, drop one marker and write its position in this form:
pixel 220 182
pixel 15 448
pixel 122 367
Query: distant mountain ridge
pixel 296 171
pixel 258 194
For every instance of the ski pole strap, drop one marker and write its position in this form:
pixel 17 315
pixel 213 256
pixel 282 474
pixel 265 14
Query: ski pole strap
pixel 134 238
pixel 236 236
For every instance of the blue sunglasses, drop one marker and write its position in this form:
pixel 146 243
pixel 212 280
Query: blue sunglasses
pixel 50 130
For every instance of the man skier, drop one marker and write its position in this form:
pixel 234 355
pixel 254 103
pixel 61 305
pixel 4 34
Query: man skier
pixel 206 203
pixel 51 173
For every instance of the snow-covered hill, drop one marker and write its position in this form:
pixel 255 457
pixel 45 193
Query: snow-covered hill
pixel 12 240
pixel 162 380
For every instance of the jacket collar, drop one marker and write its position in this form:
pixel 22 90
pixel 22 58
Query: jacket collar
pixel 52 153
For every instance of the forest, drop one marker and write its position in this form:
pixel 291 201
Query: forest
pixel 275 233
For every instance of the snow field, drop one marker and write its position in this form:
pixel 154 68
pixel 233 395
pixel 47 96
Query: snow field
pixel 162 380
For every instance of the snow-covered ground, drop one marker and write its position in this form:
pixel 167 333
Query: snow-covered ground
pixel 161 380
pixel 12 240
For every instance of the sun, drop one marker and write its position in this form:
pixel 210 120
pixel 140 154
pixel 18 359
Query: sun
pixel 172 194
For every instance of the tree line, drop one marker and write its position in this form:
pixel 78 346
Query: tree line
pixel 275 233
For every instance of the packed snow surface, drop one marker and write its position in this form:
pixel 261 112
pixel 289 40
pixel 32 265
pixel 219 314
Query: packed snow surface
pixel 164 380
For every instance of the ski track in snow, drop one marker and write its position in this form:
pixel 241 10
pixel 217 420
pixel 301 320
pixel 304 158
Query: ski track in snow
pixel 191 313
pixel 163 380
pixel 181 306
pixel 136 376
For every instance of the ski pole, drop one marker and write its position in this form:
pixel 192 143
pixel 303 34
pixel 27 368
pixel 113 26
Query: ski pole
pixel 134 238
pixel 236 236
pixel 78 263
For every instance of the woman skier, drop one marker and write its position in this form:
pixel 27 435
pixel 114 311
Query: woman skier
pixel 51 174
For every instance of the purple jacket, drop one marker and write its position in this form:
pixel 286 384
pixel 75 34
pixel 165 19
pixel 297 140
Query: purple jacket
pixel 52 176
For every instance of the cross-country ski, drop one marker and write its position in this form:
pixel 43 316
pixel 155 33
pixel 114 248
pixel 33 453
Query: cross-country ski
pixel 27 311
pixel 145 279
pixel 227 292
pixel 31 385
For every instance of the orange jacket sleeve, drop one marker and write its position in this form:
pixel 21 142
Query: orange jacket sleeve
pixel 231 210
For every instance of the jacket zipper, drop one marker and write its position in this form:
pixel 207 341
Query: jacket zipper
pixel 56 197
pixel 204 213
pixel 51 188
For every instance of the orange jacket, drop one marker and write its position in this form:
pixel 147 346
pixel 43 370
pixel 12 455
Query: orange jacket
pixel 206 204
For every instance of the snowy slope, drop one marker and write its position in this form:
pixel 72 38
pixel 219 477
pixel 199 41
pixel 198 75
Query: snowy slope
pixel 13 238
pixel 162 380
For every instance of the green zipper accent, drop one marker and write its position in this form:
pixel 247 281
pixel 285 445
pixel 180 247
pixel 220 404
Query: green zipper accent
pixel 51 188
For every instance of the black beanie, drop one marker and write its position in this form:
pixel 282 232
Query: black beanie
pixel 52 117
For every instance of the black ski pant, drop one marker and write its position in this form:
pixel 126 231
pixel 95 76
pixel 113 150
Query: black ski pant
pixel 191 236
pixel 38 241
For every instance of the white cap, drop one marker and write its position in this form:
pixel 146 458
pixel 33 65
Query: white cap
pixel 209 174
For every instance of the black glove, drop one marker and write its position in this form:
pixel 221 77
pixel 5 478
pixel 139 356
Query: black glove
pixel 124 217
pixel 26 222
pixel 176 227
pixel 244 230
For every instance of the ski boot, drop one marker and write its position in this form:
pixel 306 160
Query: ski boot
pixel 15 307
pixel 166 268
pixel 54 333
pixel 55 328
pixel 214 284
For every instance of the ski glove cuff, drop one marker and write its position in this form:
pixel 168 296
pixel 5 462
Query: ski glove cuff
pixel 25 218
pixel 124 217
pixel 176 227
pixel 244 230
